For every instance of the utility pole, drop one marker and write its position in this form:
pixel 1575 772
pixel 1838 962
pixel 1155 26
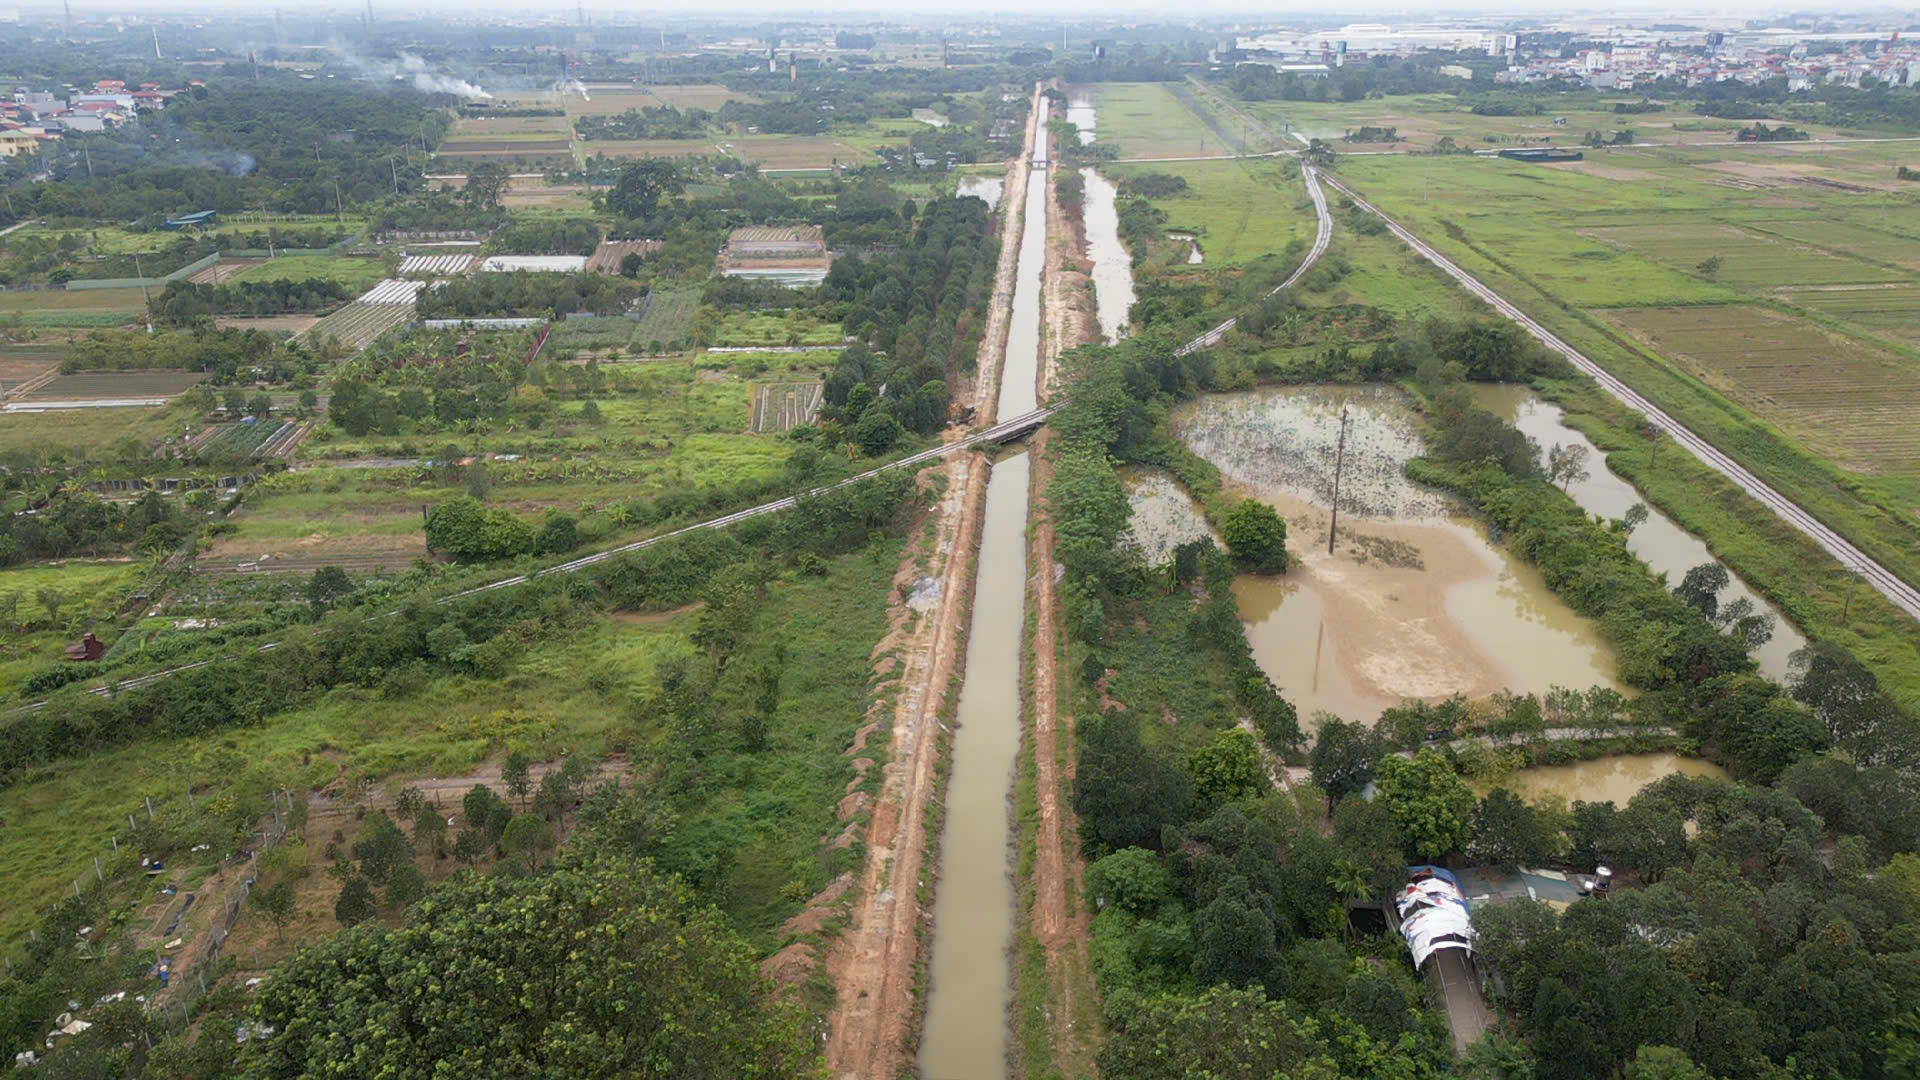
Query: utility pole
pixel 144 294
pixel 156 42
pixel 396 176
pixel 87 152
pixel 339 205
pixel 1339 461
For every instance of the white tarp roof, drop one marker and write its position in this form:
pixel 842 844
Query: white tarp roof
pixel 553 264
pixel 1433 915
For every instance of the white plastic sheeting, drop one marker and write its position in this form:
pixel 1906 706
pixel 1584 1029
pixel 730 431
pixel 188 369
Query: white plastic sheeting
pixel 435 264
pixel 555 264
pixel 1433 914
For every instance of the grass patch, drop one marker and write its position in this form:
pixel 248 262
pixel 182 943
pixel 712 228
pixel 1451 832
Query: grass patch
pixel 354 273
pixel 1241 210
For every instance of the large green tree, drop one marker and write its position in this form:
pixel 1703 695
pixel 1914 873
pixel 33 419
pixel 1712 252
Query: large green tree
pixel 1433 806
pixel 1256 536
pixel 597 968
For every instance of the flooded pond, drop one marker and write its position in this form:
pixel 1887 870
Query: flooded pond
pixel 1164 515
pixel 1194 256
pixel 1415 602
pixel 1658 541
pixel 1080 112
pixel 1112 263
pixel 985 186
pixel 1615 779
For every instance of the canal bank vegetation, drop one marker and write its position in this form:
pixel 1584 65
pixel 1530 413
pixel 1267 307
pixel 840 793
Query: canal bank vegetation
pixel 1779 561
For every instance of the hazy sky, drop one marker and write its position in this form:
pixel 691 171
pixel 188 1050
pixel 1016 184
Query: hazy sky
pixel 1156 12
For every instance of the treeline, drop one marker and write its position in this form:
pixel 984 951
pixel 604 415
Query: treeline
pixel 920 310
pixel 243 145
pixel 1349 82
pixel 221 352
pixel 663 122
pixel 186 304
pixel 528 293
pixel 85 524
pixel 538 236
pixel 349 648
pixel 1763 944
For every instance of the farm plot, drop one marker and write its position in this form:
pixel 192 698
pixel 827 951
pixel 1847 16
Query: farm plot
pixel 497 127
pixel 79 308
pixel 393 291
pixel 287 324
pixel 608 256
pixel 698 96
pixel 779 406
pixel 1240 210
pixel 645 148
pixel 668 317
pixel 20 366
pixel 239 440
pixel 605 337
pixel 349 271
pixel 222 270
pixel 1146 120
pixel 1892 310
pixel 435 264
pixel 460 147
pixel 795 151
pixel 114 386
pixel 357 324
pixel 1748 259
pixel 1852 401
pixel 1868 242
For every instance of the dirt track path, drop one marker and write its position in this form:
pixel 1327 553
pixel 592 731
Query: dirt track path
pixel 873 964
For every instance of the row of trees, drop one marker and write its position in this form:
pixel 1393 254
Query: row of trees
pixel 185 304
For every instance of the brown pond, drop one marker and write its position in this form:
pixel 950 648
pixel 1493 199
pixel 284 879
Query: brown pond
pixel 1659 542
pixel 1610 779
pixel 1414 602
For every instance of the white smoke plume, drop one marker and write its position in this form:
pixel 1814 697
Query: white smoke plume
pixel 410 69
pixel 576 84
pixel 440 84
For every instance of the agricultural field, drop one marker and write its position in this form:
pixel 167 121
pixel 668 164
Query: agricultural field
pixel 614 98
pixel 355 273
pixel 1851 401
pixel 88 592
pixel 1147 120
pixel 74 435
pixel 1612 262
pixel 1749 259
pixel 1421 120
pixel 20 364
pixel 284 324
pixel 667 317
pixel 779 406
pixel 1241 210
pixel 237 440
pixel 772 328
pixel 75 308
pixel 778 152
pixel 115 385
pixel 356 325
pixel 646 148
pixel 504 127
pixel 1890 310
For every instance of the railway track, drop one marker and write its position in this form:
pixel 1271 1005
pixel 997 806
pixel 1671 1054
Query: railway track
pixel 1885 581
pixel 1321 239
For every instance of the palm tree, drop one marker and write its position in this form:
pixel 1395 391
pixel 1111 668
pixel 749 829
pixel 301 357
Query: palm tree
pixel 1350 881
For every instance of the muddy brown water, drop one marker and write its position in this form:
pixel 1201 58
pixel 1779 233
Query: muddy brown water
pixel 1112 265
pixel 1615 779
pixel 1659 541
pixel 986 186
pixel 969 976
pixel 1415 601
pixel 970 981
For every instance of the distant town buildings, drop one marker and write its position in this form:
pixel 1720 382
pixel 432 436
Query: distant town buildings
pixel 36 116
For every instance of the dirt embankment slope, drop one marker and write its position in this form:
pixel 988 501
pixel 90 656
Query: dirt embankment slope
pixel 873 963
pixel 1061 922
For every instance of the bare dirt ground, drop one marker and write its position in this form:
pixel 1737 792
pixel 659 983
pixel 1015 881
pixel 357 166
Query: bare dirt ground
pixel 1061 925
pixel 873 963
